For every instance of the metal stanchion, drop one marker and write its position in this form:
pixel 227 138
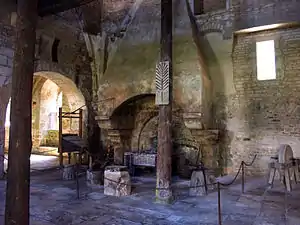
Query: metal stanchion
pixel 77 180
pixel 243 177
pixel 219 204
pixel 241 169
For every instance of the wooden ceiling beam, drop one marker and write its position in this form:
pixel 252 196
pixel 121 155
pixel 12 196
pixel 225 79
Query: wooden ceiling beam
pixel 48 7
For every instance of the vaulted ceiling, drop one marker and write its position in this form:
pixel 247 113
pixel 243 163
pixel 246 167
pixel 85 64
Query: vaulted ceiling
pixel 94 15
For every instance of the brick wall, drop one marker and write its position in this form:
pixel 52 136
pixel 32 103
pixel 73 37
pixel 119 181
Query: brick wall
pixel 266 12
pixel 254 117
pixel 213 5
pixel 266 112
pixel 6 56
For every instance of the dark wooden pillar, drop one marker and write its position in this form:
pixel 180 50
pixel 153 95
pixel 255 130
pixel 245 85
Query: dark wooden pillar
pixel 164 100
pixel 20 143
pixel 198 7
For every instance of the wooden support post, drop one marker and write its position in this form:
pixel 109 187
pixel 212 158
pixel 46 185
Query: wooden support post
pixel 61 163
pixel 164 85
pixel 272 174
pixel 80 123
pixel 287 178
pixel 80 132
pixel 20 142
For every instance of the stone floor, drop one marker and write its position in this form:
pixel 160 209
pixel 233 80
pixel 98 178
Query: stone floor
pixel 40 162
pixel 54 201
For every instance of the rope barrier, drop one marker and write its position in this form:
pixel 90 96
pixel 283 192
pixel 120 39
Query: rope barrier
pixel 241 168
pixel 250 164
pixel 219 184
pixel 196 186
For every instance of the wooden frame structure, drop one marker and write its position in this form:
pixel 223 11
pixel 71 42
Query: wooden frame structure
pixel 77 114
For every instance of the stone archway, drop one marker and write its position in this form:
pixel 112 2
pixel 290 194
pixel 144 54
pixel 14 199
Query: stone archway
pixel 51 90
pixel 134 125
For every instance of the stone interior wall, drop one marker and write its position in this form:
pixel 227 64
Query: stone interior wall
pixel 221 105
pixel 210 6
pixel 130 76
pixel 253 117
pixel 71 61
pixel 254 13
pixel 264 114
pixel 45 101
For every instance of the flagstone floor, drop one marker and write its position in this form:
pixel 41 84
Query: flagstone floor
pixel 40 162
pixel 54 201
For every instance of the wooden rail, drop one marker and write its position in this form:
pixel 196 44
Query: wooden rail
pixel 63 115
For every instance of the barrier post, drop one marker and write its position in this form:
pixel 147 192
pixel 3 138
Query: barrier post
pixel 219 204
pixel 243 177
pixel 77 179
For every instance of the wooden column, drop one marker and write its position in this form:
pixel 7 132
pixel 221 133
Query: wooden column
pixel 80 123
pixel 20 143
pixel 61 163
pixel 164 100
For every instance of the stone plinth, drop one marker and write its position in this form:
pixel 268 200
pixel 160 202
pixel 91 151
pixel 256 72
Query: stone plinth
pixel 117 181
pixel 68 172
pixel 94 177
pixel 197 184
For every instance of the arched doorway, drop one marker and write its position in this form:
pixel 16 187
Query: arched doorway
pixel 50 92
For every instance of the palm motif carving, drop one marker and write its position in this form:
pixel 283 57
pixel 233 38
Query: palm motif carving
pixel 162 82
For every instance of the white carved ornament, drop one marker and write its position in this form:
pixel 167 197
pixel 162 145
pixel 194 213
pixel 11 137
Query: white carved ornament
pixel 162 82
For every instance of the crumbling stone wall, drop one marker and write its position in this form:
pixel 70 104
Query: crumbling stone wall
pixel 267 112
pixel 254 13
pixel 253 116
pixel 71 59
pixel 245 116
pixel 210 6
pixel 130 72
pixel 128 75
pixel 6 56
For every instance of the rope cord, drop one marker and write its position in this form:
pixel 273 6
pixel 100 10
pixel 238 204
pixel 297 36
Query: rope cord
pixel 250 164
pixel 198 186
pixel 236 176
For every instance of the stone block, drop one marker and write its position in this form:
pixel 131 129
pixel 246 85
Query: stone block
pixel 94 177
pixel 68 172
pixel 5 71
pixel 3 60
pixel 197 184
pixel 117 181
pixel 7 52
pixel 3 80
